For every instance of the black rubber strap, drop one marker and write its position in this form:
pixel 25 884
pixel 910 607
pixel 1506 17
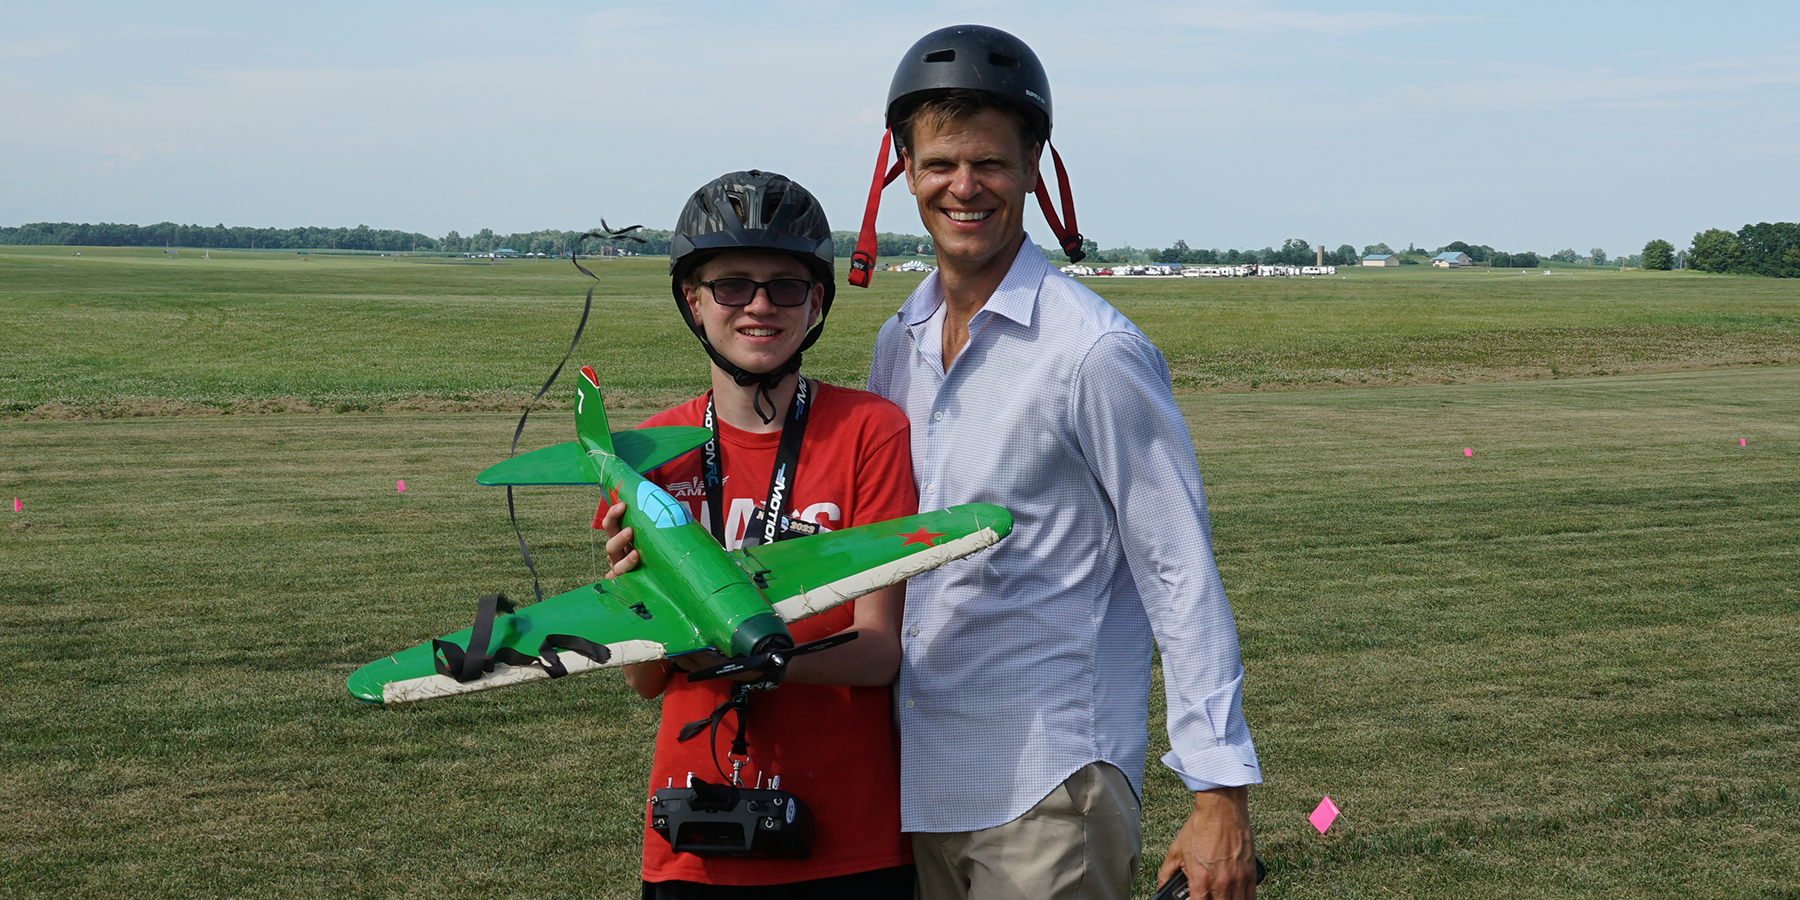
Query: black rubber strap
pixel 688 731
pixel 466 665
pixel 739 702
pixel 553 664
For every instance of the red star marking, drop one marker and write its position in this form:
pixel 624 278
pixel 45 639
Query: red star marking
pixel 921 537
pixel 611 497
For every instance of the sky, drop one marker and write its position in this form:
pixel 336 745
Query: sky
pixel 1525 126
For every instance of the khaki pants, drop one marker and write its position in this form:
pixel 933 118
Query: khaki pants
pixel 1079 843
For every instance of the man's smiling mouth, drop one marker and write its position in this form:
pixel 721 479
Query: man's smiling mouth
pixel 968 215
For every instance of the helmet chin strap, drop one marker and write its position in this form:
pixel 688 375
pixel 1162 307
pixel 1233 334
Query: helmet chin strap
pixel 763 402
pixel 1068 237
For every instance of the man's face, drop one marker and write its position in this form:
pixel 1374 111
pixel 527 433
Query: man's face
pixel 761 336
pixel 970 178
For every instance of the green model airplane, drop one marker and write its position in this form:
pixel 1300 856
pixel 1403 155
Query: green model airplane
pixel 687 594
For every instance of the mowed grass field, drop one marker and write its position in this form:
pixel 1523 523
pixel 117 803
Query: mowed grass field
pixel 1562 666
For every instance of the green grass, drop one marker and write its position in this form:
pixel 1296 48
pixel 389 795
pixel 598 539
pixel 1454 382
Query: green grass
pixel 1561 667
pixel 126 332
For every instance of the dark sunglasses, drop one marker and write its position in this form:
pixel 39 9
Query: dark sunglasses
pixel 740 291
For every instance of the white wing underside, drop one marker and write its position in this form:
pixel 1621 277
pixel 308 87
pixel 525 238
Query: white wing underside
pixel 812 601
pixel 434 686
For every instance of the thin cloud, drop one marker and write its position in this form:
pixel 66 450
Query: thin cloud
pixel 1539 88
pixel 1244 17
pixel 41 47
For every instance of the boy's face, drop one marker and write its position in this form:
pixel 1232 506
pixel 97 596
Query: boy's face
pixel 760 336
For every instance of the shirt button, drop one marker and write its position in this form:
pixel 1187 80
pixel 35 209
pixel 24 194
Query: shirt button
pixel 937 416
pixel 931 488
pixel 914 631
pixel 909 704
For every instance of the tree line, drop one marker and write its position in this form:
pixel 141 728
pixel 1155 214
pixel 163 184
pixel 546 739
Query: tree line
pixel 1771 249
pixel 1766 248
pixel 362 238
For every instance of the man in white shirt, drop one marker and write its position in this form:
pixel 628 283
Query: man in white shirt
pixel 1024 681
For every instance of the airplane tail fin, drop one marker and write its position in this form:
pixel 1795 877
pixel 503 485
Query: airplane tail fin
pixel 578 461
pixel 590 414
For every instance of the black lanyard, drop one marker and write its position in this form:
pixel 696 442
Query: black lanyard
pixel 775 522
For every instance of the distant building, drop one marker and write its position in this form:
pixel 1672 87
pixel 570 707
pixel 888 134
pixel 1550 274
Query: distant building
pixel 1452 259
pixel 1381 259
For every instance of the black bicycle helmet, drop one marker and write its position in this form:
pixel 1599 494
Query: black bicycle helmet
pixel 975 58
pixel 756 212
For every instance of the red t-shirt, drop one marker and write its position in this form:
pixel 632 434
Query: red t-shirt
pixel 834 747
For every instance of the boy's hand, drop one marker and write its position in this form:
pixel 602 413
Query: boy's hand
pixel 619 552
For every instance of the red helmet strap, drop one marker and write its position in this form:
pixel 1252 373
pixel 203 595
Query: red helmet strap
pixel 1067 235
pixel 862 261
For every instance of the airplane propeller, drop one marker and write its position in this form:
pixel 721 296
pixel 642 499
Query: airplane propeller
pixel 770 662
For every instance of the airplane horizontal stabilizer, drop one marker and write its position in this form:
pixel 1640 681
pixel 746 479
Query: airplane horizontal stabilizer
pixel 646 448
pixel 642 449
pixel 806 576
pixel 557 464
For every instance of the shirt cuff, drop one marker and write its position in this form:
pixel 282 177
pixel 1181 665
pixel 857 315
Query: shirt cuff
pixel 1227 766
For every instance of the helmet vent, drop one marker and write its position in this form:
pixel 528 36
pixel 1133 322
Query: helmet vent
pixel 771 203
pixel 941 56
pixel 1001 59
pixel 737 206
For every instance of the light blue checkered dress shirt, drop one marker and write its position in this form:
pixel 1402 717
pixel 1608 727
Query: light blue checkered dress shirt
pixel 1027 661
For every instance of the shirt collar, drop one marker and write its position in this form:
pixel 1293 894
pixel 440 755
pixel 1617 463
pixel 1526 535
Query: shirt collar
pixel 1015 298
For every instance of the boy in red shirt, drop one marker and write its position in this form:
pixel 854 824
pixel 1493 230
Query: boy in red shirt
pixel 751 269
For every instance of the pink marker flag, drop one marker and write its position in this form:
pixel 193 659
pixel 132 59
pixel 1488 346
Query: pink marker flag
pixel 17 505
pixel 400 486
pixel 1324 814
pixel 1740 444
pixel 1468 451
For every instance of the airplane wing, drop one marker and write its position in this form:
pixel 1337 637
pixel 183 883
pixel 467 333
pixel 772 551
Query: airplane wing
pixel 808 575
pixel 629 620
pixel 642 449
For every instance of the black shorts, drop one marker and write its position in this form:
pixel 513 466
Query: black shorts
pixel 881 884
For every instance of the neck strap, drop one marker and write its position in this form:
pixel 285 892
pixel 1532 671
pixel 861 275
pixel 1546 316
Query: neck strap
pixel 781 478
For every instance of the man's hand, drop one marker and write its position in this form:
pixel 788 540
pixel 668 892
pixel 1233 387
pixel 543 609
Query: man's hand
pixel 619 552
pixel 1215 847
